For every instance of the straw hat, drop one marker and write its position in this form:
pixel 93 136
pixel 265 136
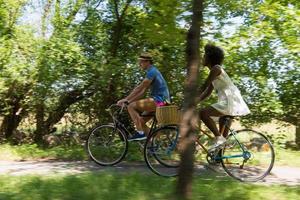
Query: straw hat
pixel 145 56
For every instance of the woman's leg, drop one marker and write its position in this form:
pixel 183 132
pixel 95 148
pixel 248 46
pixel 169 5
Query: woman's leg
pixel 222 128
pixel 205 116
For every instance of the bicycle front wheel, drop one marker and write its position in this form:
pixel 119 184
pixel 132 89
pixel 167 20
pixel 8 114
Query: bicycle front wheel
pixel 161 151
pixel 107 145
pixel 248 155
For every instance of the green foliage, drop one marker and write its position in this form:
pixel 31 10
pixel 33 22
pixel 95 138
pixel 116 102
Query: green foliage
pixel 91 47
pixel 17 68
pixel 62 66
pixel 289 91
pixel 263 57
pixel 10 10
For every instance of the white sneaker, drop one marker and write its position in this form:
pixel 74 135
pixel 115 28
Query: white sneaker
pixel 219 141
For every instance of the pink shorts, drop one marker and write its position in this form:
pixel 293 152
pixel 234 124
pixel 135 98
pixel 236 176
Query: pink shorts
pixel 159 103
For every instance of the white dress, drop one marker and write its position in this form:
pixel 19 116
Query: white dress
pixel 230 100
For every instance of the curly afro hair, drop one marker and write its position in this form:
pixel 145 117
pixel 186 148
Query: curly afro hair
pixel 214 55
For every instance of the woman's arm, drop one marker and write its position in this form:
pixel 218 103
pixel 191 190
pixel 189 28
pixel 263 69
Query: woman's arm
pixel 213 74
pixel 207 87
pixel 206 93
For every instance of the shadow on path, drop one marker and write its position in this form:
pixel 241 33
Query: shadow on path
pixel 279 175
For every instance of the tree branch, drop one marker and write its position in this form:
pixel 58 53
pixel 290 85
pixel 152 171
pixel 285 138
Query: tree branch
pixel 116 10
pixel 125 8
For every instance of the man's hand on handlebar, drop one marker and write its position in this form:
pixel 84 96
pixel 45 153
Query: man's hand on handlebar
pixel 122 102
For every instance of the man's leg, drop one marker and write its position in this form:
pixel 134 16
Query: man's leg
pixel 134 114
pixel 147 105
pixel 135 108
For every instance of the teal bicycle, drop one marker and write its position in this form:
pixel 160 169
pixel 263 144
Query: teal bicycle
pixel 247 155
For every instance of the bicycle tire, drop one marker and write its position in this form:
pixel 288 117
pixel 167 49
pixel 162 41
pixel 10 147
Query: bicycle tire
pixel 161 152
pixel 107 145
pixel 252 164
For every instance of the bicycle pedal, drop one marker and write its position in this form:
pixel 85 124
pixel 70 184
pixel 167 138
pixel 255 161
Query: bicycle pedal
pixel 213 153
pixel 152 149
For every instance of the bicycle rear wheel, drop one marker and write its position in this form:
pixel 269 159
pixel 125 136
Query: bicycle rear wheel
pixel 248 155
pixel 161 153
pixel 107 145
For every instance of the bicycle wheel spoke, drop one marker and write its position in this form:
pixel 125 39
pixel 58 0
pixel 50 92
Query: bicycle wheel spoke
pixel 249 156
pixel 161 153
pixel 107 145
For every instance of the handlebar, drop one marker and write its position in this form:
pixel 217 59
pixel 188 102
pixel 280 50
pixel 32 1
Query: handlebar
pixel 110 108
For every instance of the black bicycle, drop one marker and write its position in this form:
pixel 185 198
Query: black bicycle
pixel 107 144
pixel 247 155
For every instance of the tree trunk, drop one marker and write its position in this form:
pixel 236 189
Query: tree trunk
pixel 7 126
pixel 298 135
pixel 294 120
pixel 118 26
pixel 46 11
pixel 10 124
pixel 64 103
pixel 187 146
pixel 10 120
pixel 45 126
pixel 16 111
pixel 116 37
pixel 40 124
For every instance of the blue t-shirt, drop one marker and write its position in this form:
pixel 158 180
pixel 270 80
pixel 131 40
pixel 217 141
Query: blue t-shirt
pixel 158 90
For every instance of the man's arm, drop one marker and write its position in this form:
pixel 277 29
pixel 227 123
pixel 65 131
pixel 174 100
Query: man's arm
pixel 137 92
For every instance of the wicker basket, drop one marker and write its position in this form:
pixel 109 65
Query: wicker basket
pixel 166 115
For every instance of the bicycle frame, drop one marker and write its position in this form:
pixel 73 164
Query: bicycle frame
pixel 198 139
pixel 245 154
pixel 119 124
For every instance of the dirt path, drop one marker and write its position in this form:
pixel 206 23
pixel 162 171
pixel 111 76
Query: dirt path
pixel 279 175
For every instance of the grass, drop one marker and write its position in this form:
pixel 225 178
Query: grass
pixel 33 152
pixel 131 186
pixel 287 157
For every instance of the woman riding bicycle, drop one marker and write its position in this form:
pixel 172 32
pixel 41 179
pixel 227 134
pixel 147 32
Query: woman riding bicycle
pixel 230 101
pixel 159 96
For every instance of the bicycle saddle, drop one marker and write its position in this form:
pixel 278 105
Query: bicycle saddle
pixel 147 114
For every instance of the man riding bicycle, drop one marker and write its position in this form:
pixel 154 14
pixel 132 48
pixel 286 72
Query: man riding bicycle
pixel 159 96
